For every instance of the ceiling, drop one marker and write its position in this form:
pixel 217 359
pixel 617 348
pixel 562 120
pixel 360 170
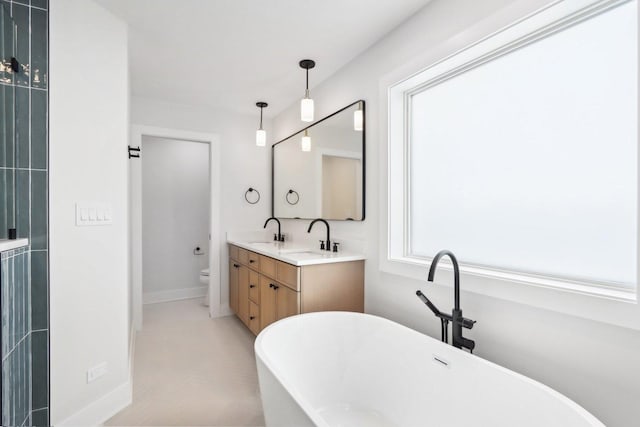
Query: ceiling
pixel 231 53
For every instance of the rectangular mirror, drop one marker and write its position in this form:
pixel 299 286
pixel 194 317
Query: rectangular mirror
pixel 318 172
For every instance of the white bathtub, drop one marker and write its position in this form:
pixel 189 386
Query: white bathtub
pixel 352 369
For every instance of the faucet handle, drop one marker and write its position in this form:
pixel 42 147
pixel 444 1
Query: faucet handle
pixel 467 323
pixel 321 244
pixel 335 246
pixel 468 344
pixel 282 237
pixel 275 237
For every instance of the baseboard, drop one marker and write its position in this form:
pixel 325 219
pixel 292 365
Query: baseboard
pixel 173 295
pixel 225 310
pixel 132 351
pixel 99 411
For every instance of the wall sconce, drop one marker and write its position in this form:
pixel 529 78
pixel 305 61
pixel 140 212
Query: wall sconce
pixel 358 118
pixel 306 105
pixel 306 142
pixel 261 135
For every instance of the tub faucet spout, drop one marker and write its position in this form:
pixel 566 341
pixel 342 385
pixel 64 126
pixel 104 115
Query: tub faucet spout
pixel 457 320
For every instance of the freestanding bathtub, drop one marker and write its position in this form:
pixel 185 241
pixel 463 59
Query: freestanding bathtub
pixel 352 369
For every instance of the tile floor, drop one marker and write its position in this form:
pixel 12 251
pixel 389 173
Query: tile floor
pixel 190 370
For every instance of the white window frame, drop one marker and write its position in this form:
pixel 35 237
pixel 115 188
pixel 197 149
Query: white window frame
pixel 590 300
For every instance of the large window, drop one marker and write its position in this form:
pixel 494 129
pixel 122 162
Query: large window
pixel 521 155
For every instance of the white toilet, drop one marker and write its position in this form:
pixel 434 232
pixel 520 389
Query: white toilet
pixel 204 279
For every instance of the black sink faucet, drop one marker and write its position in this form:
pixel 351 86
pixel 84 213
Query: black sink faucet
pixel 328 246
pixel 456 319
pixel 279 237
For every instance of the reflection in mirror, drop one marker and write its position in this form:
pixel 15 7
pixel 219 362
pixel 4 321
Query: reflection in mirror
pixel 319 171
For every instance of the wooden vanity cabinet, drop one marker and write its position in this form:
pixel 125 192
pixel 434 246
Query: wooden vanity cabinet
pixel 254 287
pixel 267 266
pixel 277 301
pixel 254 318
pixel 243 294
pixel 263 290
pixel 247 257
pixel 234 268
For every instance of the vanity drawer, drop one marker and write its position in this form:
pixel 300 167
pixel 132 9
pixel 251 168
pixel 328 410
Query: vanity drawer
pixel 254 259
pixel 254 317
pixel 268 266
pixel 233 252
pixel 243 256
pixel 288 275
pixel 254 287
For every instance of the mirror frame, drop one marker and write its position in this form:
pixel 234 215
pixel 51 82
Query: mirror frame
pixel 364 158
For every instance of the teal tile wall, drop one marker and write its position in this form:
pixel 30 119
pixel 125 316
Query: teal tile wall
pixel 24 192
pixel 16 338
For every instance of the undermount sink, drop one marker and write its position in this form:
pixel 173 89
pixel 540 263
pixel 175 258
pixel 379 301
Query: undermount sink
pixel 289 251
pixel 305 254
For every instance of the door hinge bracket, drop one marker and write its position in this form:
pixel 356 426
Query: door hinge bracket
pixel 134 152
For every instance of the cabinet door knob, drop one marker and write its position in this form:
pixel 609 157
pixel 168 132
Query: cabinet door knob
pixel 251 261
pixel 252 286
pixel 252 317
pixel 236 265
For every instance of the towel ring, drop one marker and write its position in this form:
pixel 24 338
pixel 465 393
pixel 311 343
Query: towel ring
pixel 289 200
pixel 246 196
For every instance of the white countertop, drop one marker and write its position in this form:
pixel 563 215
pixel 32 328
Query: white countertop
pixel 295 253
pixel 7 245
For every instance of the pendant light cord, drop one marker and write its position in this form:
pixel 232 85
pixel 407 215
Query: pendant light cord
pixel 261 117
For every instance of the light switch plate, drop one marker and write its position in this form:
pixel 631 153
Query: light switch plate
pixel 92 214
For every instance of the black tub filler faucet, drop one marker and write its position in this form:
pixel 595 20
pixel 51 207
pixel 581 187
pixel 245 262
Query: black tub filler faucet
pixel 457 320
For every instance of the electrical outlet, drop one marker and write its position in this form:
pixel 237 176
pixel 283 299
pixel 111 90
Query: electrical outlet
pixel 96 372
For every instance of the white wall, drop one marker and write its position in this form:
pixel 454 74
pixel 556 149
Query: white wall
pixel 595 364
pixel 175 217
pixel 89 128
pixel 243 164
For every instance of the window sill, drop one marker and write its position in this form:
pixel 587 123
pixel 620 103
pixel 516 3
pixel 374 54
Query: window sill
pixel 613 306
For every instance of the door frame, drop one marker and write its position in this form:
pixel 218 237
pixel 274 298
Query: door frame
pixel 135 213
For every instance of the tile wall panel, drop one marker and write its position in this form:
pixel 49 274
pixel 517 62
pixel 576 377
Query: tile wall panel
pixel 16 337
pixel 24 282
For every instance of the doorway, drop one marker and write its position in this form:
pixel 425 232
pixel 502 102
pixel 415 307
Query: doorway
pixel 175 219
pixel 174 191
pixel 341 185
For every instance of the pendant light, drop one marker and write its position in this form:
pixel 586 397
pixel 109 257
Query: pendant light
pixel 261 135
pixel 305 144
pixel 306 105
pixel 358 118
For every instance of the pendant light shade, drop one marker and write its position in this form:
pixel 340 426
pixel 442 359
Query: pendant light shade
pixel 306 109
pixel 306 105
pixel 261 135
pixel 305 144
pixel 358 118
pixel 261 138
